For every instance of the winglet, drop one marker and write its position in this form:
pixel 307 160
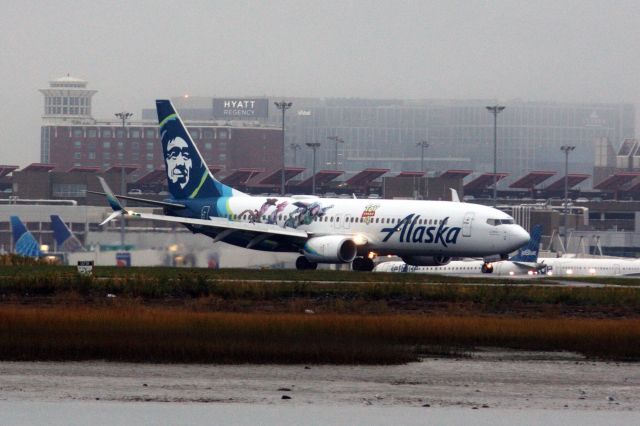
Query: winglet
pixel 454 196
pixel 118 210
pixel 111 199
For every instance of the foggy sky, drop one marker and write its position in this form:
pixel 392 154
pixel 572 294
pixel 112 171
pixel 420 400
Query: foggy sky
pixel 133 52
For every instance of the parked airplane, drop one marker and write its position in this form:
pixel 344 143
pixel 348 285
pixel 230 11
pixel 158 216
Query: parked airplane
pixel 66 241
pixel 322 230
pixel 567 266
pixel 24 242
pixel 525 262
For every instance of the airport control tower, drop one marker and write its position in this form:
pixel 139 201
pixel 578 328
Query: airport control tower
pixel 67 99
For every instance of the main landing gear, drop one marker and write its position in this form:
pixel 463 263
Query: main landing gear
pixel 302 263
pixel 362 264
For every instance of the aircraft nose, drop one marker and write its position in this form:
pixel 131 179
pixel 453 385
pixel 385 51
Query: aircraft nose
pixel 520 236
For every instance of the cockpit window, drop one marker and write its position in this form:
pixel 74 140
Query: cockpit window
pixel 496 222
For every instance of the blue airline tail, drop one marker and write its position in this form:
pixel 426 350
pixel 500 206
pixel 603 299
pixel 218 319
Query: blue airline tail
pixel 188 176
pixel 23 241
pixel 65 240
pixel 529 251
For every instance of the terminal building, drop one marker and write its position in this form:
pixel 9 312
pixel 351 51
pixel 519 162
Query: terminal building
pixel 384 134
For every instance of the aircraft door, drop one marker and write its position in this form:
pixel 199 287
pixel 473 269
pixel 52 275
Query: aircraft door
pixel 466 224
pixel 338 222
pixel 347 221
pixel 616 269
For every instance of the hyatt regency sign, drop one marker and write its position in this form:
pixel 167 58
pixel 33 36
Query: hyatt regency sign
pixel 240 108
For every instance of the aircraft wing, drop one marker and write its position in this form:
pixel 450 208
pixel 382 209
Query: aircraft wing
pixel 222 223
pixel 216 227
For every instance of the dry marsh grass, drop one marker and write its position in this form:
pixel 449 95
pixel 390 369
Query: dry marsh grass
pixel 142 334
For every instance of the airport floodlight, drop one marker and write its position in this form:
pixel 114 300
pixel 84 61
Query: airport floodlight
pixel 423 144
pixel 495 110
pixel 282 106
pixel 337 140
pixel 566 149
pixel 123 116
pixel 314 146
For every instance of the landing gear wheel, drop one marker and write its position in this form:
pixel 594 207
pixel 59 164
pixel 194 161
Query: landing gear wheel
pixel 362 264
pixel 302 263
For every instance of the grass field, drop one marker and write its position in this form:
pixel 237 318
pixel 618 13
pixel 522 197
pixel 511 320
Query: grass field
pixel 143 334
pixel 236 316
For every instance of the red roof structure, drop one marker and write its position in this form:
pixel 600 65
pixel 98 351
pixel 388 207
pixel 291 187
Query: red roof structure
pixel 411 174
pixel 85 169
pixel 456 174
pixel 275 177
pixel 365 177
pixel 484 181
pixel 532 179
pixel 322 178
pixel 39 167
pixel 633 188
pixel 5 170
pixel 615 182
pixel 240 176
pixel 573 180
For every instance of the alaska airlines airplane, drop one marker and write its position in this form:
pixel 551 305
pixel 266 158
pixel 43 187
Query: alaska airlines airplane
pixel 66 241
pixel 24 243
pixel 322 230
pixel 525 262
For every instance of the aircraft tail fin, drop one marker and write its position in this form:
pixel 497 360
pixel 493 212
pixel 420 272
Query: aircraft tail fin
pixel 65 239
pixel 188 176
pixel 529 251
pixel 23 241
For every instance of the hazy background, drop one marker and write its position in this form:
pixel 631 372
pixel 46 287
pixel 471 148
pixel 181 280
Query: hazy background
pixel 134 52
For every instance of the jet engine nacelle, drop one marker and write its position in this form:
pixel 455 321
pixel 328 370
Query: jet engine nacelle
pixel 330 249
pixel 426 260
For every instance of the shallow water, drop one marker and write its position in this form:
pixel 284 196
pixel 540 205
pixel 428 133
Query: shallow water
pixel 489 387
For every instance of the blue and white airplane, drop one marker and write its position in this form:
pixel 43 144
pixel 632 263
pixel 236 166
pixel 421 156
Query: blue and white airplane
pixel 524 262
pixel 66 241
pixel 321 230
pixel 24 243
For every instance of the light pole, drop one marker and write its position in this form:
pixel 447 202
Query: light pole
pixel 282 106
pixel 495 110
pixel 337 140
pixel 295 148
pixel 566 149
pixel 423 144
pixel 314 146
pixel 123 116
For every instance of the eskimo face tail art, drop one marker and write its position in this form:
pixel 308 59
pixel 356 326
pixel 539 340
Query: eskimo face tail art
pixel 187 174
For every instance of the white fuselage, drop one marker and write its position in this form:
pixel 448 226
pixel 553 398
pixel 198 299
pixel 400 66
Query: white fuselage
pixel 401 227
pixel 461 267
pixel 563 266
